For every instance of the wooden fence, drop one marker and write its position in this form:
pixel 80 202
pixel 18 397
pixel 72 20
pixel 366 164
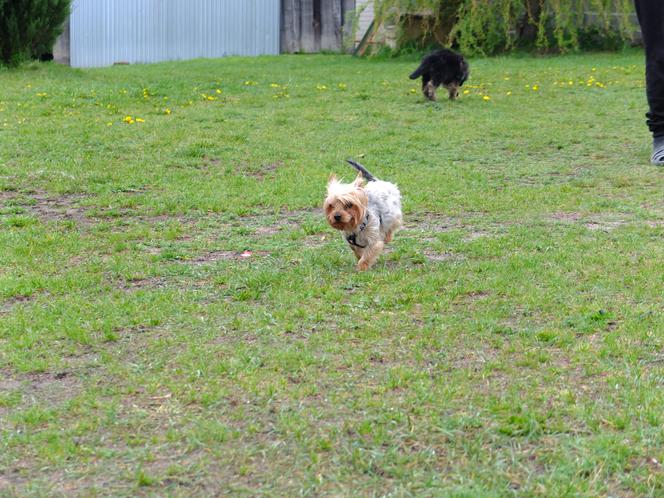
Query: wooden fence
pixel 313 25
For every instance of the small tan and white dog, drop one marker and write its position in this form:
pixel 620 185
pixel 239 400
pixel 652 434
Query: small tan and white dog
pixel 367 211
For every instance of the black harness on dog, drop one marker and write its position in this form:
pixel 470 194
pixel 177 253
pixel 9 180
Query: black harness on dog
pixel 352 238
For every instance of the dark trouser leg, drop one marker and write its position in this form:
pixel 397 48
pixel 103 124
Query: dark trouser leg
pixel 651 18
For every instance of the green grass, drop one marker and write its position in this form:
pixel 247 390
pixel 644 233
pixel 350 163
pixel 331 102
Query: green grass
pixel 508 343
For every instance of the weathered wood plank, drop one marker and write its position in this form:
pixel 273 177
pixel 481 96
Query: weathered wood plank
pixel 347 6
pixel 330 25
pixel 307 33
pixel 290 25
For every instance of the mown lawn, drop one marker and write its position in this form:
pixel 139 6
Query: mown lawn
pixel 177 319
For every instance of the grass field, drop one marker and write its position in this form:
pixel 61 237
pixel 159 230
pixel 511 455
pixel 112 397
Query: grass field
pixel 177 319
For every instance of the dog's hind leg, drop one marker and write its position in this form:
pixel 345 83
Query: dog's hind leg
pixel 428 89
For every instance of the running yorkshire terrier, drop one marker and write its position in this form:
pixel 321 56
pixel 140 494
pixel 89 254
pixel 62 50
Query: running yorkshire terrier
pixel 367 211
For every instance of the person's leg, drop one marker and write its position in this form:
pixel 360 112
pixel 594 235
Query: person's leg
pixel 651 18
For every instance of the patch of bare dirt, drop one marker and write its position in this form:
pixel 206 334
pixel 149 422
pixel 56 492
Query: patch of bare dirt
pixel 49 388
pixel 72 208
pixel 85 360
pixel 565 216
pixel 268 230
pixel 431 222
pixel 136 329
pixel 211 257
pixel 259 172
pixel 594 223
pixel 64 207
pixel 7 195
pixel 427 223
pixel 8 305
pixel 440 256
pixel 472 296
pixel 143 283
pixel 214 256
pixel 475 234
pixel 282 217
pixel 315 240
pixel 604 225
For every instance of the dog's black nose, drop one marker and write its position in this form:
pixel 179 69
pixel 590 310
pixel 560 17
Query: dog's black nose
pixel 337 217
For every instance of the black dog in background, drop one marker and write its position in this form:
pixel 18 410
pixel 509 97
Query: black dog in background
pixel 442 67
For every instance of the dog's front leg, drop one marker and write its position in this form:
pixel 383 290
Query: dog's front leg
pixel 369 256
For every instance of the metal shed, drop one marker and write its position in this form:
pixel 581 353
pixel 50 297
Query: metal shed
pixel 105 32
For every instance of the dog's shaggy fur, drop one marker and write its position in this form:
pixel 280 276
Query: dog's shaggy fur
pixel 367 211
pixel 442 67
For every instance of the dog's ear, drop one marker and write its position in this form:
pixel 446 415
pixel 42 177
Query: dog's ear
pixel 361 197
pixel 332 181
pixel 359 181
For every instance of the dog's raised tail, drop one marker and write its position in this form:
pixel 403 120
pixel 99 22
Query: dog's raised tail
pixel 363 171
pixel 417 73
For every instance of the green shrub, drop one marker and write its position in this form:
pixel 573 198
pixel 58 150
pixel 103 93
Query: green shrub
pixel 28 28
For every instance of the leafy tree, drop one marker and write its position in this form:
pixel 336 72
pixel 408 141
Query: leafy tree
pixel 28 28
pixel 493 26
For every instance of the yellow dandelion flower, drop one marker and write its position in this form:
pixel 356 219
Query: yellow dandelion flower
pixel 128 119
pixel 42 94
pixel 140 120
pixel 412 90
pixel 535 88
pixel 466 92
pixel 486 98
pixel 250 83
pixel 167 111
pixel 109 124
pixel 508 93
pixel 274 85
pixel 218 91
pixel 321 87
pixel 342 86
pixel 570 82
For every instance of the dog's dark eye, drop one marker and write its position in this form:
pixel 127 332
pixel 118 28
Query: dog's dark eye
pixel 348 205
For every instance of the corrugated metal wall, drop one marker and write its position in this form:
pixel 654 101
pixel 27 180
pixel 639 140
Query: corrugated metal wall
pixel 103 32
